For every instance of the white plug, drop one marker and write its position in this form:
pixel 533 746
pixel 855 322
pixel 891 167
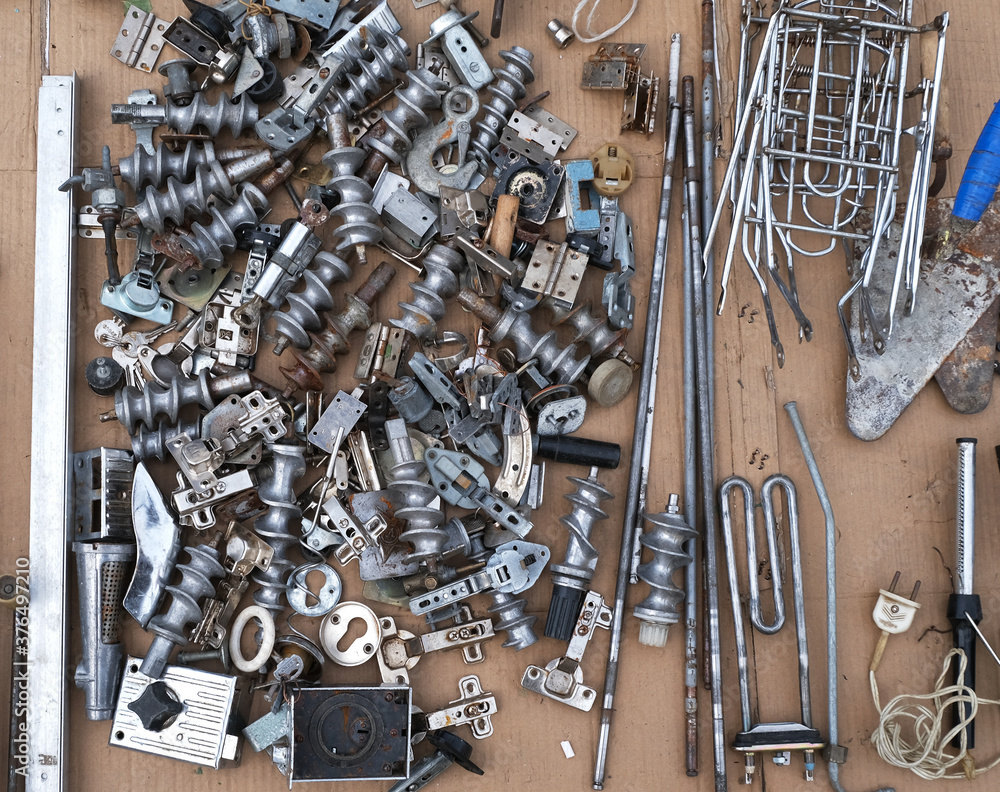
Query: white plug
pixel 893 615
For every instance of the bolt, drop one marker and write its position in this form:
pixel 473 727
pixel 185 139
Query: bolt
pixel 221 654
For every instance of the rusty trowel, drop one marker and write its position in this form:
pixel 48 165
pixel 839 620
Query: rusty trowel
pixel 951 334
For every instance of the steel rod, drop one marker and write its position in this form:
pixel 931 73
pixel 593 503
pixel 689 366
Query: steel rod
pixel 706 441
pixel 650 339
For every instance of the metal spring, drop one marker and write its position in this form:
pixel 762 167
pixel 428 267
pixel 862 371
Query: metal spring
pixel 305 307
pixel 209 244
pixel 505 94
pixel 238 115
pixel 439 283
pixel 140 168
pixel 275 527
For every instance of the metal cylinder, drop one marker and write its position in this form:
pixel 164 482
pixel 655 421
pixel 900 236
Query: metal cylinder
pixel 424 530
pixel 103 569
pixel 386 54
pixel 505 93
pixel 306 307
pixel 237 114
pixel 209 244
pixel 359 223
pixel 140 168
pixel 571 579
pixel 390 137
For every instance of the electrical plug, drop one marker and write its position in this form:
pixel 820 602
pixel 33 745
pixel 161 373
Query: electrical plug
pixel 893 615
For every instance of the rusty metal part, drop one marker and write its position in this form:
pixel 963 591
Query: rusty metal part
pixel 959 282
pixel 966 375
pixel 356 315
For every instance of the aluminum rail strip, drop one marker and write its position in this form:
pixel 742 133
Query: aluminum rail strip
pixel 51 416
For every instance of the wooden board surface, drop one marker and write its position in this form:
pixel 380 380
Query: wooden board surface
pixel 894 499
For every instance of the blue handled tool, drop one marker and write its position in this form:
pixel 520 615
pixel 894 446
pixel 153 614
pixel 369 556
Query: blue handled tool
pixel 982 173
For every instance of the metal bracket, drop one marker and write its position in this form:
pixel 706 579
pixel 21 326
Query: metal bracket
pixel 357 535
pixel 486 257
pixel 465 634
pixel 639 111
pixel 555 271
pixel 140 40
pixel 532 139
pixel 228 341
pixel 460 48
pixel 285 128
pixel 612 67
pixel 514 567
pixel 196 509
pixel 617 296
pixel 472 707
pixel 462 481
pixel 562 680
pixel 394 661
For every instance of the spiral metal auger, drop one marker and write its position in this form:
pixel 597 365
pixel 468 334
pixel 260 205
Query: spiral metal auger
pixel 590 326
pixel 439 282
pixel 571 579
pixel 306 307
pixel 665 538
pixel 134 406
pixel 153 402
pixel 358 218
pixel 195 584
pixel 387 53
pixel 505 93
pixel 210 244
pixel 237 114
pixel 356 315
pixel 512 619
pixel 276 526
pixel 424 529
pixel 141 168
pixel 183 199
pixel 391 136
pixel 554 360
pixel 152 443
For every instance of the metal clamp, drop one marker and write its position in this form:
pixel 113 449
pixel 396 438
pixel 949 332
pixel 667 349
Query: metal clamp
pixel 562 680
pixel 472 707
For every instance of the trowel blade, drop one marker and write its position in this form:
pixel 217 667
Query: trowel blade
pixel 956 287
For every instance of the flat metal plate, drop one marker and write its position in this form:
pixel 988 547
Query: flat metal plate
pixel 321 12
pixel 199 733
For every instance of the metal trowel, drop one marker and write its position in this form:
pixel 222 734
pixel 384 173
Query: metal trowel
pixel 951 333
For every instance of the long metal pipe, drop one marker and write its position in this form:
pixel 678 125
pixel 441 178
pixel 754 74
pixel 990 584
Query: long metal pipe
pixel 706 440
pixel 654 312
pixel 690 512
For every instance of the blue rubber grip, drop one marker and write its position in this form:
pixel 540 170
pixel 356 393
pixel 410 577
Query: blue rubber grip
pixel 982 174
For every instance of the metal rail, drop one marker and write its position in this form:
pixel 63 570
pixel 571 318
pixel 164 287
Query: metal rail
pixel 51 412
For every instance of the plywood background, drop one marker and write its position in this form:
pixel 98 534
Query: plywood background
pixel 894 498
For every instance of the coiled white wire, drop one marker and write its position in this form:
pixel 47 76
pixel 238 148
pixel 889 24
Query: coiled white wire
pixel 591 37
pixel 911 733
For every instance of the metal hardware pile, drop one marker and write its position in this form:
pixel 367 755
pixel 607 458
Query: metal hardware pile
pixel 416 471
